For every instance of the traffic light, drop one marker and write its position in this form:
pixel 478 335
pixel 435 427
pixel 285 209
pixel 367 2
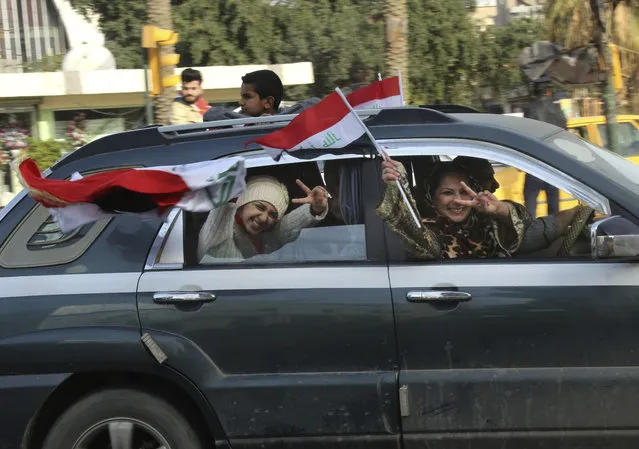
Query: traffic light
pixel 617 79
pixel 153 39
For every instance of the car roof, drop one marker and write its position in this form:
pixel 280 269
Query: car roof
pixel 525 126
pixel 386 123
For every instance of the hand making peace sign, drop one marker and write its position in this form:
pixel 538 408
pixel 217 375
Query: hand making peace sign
pixel 484 202
pixel 317 198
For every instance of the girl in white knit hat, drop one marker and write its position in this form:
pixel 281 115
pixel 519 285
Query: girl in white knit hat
pixel 256 223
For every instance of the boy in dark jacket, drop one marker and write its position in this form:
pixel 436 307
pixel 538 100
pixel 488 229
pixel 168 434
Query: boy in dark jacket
pixel 261 95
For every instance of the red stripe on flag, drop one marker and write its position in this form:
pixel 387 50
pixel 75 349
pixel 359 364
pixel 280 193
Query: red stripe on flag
pixel 312 121
pixel 166 188
pixel 385 88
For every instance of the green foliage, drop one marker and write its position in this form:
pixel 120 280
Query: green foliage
pixel 330 33
pixel 46 152
pixel 499 49
pixel 443 51
pixel 449 57
pixel 47 64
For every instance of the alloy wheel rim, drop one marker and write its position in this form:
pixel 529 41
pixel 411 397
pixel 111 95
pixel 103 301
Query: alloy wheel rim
pixel 121 433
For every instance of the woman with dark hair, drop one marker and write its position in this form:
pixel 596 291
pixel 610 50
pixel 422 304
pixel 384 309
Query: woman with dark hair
pixel 459 220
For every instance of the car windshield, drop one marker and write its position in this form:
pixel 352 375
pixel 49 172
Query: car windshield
pixel 604 161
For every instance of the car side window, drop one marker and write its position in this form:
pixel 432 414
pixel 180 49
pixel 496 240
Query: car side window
pixel 38 241
pixel 267 225
pixel 546 219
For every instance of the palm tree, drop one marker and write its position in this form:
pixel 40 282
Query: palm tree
pixel 574 23
pixel 159 14
pixel 396 60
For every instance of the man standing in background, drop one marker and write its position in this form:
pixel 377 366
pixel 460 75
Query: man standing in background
pixel 189 106
pixel 546 110
pixel 359 77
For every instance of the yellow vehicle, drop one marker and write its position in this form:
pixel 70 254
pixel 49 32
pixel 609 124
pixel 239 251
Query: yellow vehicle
pixel 592 129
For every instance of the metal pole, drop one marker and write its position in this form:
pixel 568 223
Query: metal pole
pixel 148 105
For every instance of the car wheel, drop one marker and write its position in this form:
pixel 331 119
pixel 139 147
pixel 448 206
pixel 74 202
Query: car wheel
pixel 122 419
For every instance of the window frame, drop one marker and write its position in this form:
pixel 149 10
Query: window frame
pixel 502 155
pixel 446 148
pixel 375 250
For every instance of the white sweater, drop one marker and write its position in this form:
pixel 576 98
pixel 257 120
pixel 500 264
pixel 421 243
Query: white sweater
pixel 222 238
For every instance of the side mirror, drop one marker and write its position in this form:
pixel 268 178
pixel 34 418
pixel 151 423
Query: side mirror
pixel 614 236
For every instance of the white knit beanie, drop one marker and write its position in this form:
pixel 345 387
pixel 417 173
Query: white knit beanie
pixel 265 188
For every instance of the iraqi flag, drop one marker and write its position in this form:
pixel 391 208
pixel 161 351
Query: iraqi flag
pixel 152 191
pixel 329 124
pixel 385 93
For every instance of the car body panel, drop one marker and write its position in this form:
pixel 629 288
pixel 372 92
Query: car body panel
pixel 329 351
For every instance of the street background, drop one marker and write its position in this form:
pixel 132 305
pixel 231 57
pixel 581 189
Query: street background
pixel 72 71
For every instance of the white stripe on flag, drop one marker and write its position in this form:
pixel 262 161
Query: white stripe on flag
pixel 339 135
pixel 199 175
pixel 387 102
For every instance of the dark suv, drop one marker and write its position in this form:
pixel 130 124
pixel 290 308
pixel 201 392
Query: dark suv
pixel 116 336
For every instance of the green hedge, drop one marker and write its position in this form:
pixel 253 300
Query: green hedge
pixel 46 152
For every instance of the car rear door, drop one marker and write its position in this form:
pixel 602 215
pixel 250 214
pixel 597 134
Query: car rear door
pixel 293 352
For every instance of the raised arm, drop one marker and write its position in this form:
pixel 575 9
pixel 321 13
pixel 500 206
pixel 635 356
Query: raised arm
pixel 419 242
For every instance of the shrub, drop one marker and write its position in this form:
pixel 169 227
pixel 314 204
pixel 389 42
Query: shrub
pixel 46 152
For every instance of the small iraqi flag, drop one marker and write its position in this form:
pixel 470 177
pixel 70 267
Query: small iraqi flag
pixel 328 124
pixel 152 191
pixel 385 93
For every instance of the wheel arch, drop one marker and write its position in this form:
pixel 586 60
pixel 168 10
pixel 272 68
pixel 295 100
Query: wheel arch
pixel 168 385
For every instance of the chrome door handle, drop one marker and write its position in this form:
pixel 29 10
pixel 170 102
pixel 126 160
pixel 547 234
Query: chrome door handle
pixel 182 297
pixel 437 296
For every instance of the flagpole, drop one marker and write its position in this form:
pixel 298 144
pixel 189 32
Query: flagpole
pixel 381 153
pixel 401 86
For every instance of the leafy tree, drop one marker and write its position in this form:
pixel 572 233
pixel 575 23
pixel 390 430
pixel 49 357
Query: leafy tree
pixel 448 56
pixel 443 51
pixel 46 152
pixel 330 33
pixel 499 49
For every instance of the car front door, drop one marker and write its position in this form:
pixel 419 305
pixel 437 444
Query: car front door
pixel 294 351
pixel 515 352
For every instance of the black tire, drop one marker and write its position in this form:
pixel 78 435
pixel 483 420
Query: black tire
pixel 122 403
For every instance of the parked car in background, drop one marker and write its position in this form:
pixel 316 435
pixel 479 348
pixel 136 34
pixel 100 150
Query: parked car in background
pixel 593 129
